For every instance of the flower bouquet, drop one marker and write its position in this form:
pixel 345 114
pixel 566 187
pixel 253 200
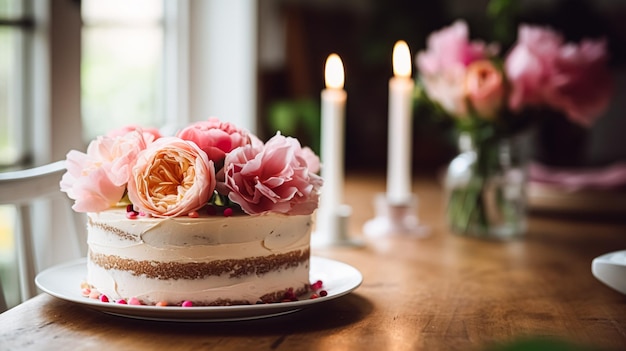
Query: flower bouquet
pixel 210 164
pixel 492 100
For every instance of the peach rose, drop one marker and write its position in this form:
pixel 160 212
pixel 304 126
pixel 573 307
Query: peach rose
pixel 484 88
pixel 216 138
pixel 86 182
pixel 274 177
pixel 171 177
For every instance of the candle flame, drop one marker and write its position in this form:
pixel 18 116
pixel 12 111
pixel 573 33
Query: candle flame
pixel 401 59
pixel 333 72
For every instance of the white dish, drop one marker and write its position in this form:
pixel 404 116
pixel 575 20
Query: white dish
pixel 610 269
pixel 63 281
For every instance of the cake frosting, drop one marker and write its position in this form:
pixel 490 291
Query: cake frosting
pixel 209 260
pixel 209 216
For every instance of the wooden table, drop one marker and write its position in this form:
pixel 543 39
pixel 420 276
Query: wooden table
pixel 444 292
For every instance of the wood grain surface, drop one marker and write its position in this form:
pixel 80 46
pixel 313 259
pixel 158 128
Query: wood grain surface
pixel 443 292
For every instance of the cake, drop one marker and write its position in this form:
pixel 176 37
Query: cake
pixel 209 260
pixel 209 216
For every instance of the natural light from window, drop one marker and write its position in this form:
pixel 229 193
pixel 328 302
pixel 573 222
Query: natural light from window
pixel 10 71
pixel 122 64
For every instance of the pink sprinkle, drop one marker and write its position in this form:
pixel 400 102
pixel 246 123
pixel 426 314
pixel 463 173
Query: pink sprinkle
pixel 121 302
pixel 317 285
pixel 134 301
pixel 193 214
pixel 143 214
pixel 104 298
pixel 228 212
pixel 85 291
pixel 187 303
pixel 131 215
pixel 94 294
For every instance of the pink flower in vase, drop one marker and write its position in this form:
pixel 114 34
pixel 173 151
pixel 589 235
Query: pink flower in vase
pixel 581 85
pixel 444 64
pixel 484 88
pixel 571 78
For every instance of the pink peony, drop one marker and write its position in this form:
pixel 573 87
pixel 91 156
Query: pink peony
pixel 543 70
pixel 581 84
pixel 449 48
pixel 530 64
pixel 484 88
pixel 131 128
pixel 171 177
pixel 273 177
pixel 86 182
pixel 120 152
pixel 216 138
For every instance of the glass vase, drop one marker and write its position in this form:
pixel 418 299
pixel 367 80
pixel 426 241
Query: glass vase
pixel 486 187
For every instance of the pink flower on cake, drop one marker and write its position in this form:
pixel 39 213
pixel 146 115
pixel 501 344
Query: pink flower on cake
pixel 87 183
pixel 273 177
pixel 216 138
pixel 171 177
pixel 131 128
pixel 120 152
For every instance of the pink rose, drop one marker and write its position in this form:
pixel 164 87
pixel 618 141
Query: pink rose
pixel 120 152
pixel 216 138
pixel 443 65
pixel 275 177
pixel 86 182
pixel 171 177
pixel 484 88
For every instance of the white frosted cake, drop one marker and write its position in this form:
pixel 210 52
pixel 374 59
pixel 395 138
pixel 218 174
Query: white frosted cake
pixel 210 216
pixel 209 260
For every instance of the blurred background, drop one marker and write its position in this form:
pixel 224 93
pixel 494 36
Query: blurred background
pixel 71 70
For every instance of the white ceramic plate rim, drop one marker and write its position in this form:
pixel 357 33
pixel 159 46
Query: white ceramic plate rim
pixel 63 281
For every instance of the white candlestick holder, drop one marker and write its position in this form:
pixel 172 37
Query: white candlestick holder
pixel 331 228
pixel 395 219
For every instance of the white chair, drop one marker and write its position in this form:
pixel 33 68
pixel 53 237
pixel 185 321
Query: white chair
pixel 22 188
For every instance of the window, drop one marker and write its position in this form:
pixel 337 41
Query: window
pixel 13 33
pixel 122 64
pixel 64 81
